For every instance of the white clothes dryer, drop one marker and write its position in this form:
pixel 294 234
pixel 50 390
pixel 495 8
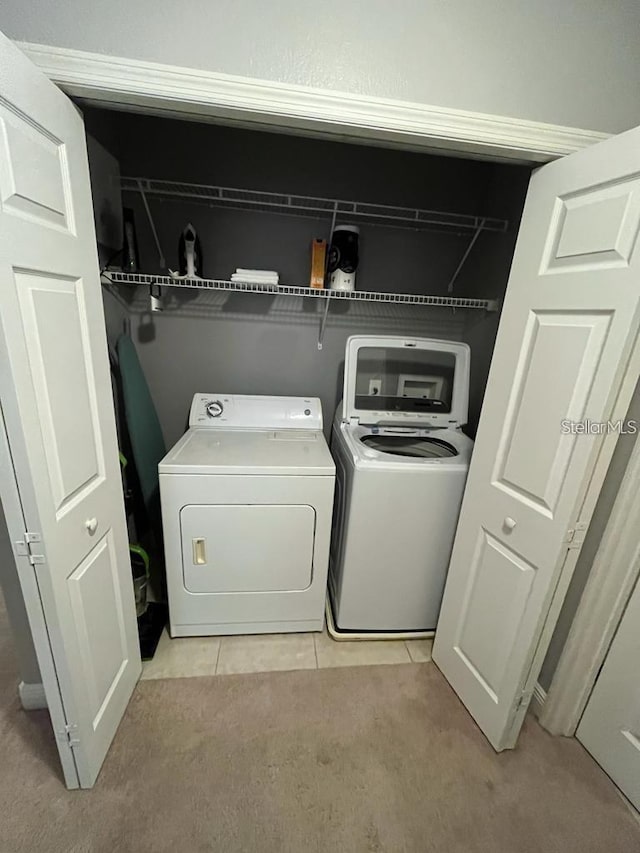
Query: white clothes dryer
pixel 246 495
pixel 401 466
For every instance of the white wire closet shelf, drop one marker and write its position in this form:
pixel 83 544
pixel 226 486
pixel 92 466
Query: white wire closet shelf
pixel 299 205
pixel 148 280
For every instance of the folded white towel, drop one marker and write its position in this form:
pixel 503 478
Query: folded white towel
pixel 255 279
pixel 248 279
pixel 271 275
pixel 243 271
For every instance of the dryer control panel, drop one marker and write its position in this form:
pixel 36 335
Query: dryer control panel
pixel 241 411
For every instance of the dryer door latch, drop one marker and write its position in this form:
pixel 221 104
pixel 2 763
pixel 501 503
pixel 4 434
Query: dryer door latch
pixel 199 552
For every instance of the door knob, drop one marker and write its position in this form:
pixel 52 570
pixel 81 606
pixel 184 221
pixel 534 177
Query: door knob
pixel 91 524
pixel 509 522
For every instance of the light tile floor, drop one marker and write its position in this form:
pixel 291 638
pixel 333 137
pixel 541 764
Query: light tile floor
pixel 192 656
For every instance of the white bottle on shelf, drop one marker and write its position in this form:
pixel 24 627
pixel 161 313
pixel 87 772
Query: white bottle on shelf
pixel 343 257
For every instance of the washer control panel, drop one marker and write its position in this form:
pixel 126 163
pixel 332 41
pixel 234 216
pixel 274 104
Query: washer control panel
pixel 242 411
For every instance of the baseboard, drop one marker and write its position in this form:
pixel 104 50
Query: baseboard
pixel 32 696
pixel 537 700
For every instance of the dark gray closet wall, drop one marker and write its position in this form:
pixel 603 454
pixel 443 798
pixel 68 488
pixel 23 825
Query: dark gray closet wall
pixel 487 273
pixel 248 344
pixel 259 344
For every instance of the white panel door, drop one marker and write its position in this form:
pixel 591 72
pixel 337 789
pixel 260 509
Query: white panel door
pixel 610 725
pixel 569 322
pixel 56 398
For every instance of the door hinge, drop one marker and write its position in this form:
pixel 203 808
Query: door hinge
pixel 28 547
pixel 68 735
pixel 524 697
pixel 576 535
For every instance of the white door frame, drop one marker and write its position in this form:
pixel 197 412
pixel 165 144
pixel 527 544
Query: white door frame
pixel 12 504
pixel 205 95
pixel 613 574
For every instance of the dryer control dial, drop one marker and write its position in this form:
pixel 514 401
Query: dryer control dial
pixel 214 408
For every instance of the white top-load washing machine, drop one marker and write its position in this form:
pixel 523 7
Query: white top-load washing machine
pixel 401 466
pixel 247 496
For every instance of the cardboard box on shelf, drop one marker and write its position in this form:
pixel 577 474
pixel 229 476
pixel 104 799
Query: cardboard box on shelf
pixel 318 263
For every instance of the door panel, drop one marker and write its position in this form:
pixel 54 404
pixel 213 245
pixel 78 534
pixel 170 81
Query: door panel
pixel 96 596
pixel 595 227
pixel 500 582
pixel 537 479
pixel 54 319
pixel 34 177
pixel 610 725
pixel 569 322
pixel 57 403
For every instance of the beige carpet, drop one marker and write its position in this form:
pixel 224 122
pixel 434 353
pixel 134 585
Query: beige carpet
pixel 365 759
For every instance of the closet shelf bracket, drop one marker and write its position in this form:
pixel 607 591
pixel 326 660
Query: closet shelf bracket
pixel 466 254
pixel 323 321
pixel 161 258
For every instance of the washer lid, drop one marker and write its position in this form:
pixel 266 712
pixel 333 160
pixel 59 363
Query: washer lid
pixel 393 380
pixel 281 452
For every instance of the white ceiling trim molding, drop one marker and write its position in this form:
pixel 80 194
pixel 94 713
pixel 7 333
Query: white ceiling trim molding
pixel 150 86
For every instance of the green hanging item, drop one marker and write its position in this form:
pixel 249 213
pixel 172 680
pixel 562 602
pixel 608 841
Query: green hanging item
pixel 140 571
pixel 143 426
pixel 141 429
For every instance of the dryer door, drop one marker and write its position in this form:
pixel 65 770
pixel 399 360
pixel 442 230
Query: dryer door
pixel 247 547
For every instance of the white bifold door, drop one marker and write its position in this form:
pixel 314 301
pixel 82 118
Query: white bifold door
pixel 610 725
pixel 69 531
pixel 568 326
